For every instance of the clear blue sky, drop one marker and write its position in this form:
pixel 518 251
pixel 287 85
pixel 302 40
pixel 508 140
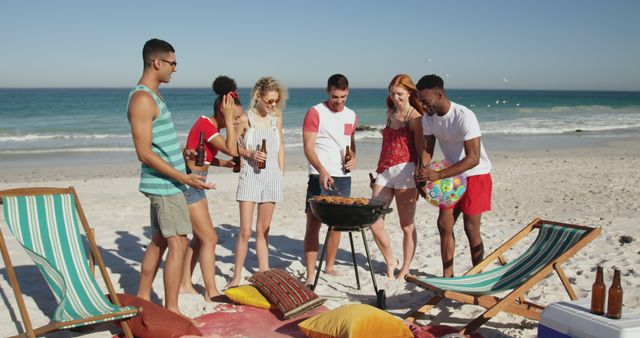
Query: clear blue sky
pixel 543 44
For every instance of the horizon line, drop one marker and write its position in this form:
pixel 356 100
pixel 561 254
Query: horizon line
pixel 322 88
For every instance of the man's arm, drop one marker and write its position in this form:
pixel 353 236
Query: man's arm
pixel 415 125
pixel 309 143
pixel 472 158
pixel 422 174
pixel 142 110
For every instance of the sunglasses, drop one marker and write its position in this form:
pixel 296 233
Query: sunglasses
pixel 272 101
pixel 171 63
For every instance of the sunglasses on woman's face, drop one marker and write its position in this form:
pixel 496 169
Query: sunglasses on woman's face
pixel 271 101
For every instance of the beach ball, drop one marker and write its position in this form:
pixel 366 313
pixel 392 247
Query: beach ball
pixel 447 191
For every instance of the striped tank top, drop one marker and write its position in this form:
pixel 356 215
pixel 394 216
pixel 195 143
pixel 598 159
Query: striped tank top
pixel 164 143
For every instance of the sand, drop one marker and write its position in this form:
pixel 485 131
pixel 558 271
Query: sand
pixel 594 186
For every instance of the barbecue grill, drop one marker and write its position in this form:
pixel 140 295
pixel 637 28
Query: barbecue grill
pixel 350 218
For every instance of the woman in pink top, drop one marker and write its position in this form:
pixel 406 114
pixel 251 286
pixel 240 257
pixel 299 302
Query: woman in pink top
pixel 401 144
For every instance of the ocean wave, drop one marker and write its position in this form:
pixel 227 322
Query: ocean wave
pixel 68 150
pixel 61 136
pixel 501 128
pixel 578 110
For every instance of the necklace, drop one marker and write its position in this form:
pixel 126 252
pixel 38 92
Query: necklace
pixel 406 115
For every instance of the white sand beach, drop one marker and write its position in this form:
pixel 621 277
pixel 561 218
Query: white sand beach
pixel 594 186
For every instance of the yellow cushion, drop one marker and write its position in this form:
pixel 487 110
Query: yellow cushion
pixel 354 321
pixel 248 295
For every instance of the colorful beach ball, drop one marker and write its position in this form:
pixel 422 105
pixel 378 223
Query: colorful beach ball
pixel 447 191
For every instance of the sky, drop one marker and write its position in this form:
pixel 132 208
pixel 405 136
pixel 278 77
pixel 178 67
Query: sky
pixel 491 44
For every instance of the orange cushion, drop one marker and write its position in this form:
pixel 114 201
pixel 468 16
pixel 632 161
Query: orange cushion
pixel 355 321
pixel 156 321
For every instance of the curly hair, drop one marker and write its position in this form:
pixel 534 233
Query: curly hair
pixel 404 81
pixel 222 86
pixel 265 85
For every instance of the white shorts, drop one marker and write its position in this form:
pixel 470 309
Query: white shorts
pixel 399 176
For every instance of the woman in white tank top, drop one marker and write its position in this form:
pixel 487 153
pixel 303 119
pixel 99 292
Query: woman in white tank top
pixel 263 187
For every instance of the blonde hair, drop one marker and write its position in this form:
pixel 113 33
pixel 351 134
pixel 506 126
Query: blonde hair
pixel 265 85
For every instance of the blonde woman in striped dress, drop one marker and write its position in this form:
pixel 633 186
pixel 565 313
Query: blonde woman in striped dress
pixel 261 187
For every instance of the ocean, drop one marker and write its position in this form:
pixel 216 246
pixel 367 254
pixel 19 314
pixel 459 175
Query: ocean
pixel 52 121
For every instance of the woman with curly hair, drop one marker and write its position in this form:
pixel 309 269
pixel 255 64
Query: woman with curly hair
pixel 256 186
pixel 226 109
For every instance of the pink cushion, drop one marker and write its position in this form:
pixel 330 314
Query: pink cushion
pixel 286 292
pixel 156 321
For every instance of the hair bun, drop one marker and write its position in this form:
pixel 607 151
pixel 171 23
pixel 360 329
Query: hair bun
pixel 223 85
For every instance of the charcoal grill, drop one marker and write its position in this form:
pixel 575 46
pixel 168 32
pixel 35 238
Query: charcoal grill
pixel 350 218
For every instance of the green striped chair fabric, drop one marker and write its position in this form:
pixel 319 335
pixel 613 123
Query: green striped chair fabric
pixel 552 241
pixel 47 228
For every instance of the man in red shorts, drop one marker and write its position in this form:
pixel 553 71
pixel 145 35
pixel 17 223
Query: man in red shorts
pixel 458 133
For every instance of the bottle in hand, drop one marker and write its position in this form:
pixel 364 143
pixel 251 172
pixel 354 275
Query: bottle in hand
pixel 347 158
pixel 598 292
pixel 236 162
pixel 200 151
pixel 263 164
pixel 614 305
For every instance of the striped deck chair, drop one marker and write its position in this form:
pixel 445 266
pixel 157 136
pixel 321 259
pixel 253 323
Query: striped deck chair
pixel 556 242
pixel 45 222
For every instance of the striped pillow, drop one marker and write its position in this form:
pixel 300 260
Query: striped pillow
pixel 287 293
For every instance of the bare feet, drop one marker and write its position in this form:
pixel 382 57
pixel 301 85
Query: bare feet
pixel 310 279
pixel 391 268
pixel 188 289
pixel 332 272
pixel 401 275
pixel 232 284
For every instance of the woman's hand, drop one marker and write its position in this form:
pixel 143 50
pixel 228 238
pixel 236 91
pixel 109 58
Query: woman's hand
pixel 227 107
pixel 257 155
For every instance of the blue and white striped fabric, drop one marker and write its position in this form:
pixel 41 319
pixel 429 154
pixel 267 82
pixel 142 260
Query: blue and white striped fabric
pixel 552 241
pixel 47 228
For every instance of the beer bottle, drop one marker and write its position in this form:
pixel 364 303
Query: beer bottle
pixel 347 158
pixel 614 305
pixel 263 164
pixel 598 294
pixel 200 151
pixel 236 161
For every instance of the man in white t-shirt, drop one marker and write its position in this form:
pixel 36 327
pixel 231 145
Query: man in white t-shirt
pixel 458 133
pixel 328 128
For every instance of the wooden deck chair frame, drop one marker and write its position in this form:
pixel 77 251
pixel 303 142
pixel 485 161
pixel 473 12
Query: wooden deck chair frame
pixel 514 301
pixel 94 253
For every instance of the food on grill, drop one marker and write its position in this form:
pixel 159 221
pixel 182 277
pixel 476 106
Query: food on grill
pixel 342 200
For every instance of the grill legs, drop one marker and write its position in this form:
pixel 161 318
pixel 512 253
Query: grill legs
pixel 353 256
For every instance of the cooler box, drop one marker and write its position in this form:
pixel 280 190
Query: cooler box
pixel 574 319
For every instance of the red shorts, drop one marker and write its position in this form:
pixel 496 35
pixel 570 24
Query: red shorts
pixel 477 198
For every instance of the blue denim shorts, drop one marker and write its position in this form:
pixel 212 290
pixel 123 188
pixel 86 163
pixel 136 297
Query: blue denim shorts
pixel 193 195
pixel 314 188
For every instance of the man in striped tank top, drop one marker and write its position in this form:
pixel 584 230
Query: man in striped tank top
pixel 163 175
